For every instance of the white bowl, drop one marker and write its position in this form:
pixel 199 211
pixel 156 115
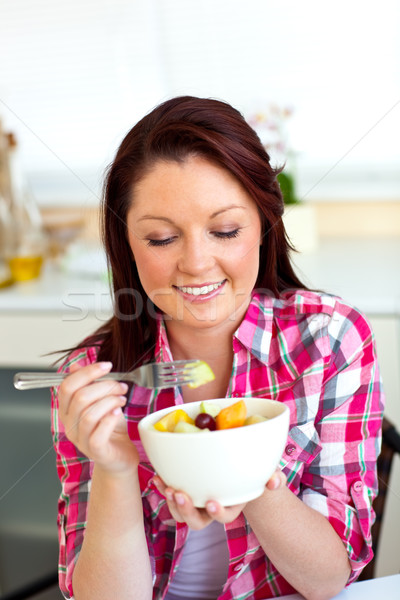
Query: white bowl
pixel 230 465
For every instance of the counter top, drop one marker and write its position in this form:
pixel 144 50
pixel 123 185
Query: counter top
pixel 58 291
pixel 364 272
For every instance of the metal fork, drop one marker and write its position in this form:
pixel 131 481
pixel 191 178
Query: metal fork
pixel 152 375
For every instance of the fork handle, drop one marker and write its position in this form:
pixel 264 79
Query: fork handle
pixel 33 381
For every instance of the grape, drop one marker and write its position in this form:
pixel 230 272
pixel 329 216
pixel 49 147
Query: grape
pixel 205 421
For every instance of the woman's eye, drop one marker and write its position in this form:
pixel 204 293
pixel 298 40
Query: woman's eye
pixel 227 235
pixel 163 242
pixel 223 235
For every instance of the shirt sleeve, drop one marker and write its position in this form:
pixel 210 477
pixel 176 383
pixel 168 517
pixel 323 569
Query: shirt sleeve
pixel 75 471
pixel 341 482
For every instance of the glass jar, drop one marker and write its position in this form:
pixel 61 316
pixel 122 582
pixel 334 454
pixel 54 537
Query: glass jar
pixel 25 241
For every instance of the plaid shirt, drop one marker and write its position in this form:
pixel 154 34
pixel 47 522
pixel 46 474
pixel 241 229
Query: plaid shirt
pixel 316 354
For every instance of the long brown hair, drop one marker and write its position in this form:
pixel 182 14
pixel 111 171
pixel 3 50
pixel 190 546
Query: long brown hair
pixel 178 128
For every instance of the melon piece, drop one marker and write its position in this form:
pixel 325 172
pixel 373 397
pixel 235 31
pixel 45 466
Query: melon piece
pixel 169 421
pixel 255 419
pixel 210 408
pixel 200 374
pixel 184 427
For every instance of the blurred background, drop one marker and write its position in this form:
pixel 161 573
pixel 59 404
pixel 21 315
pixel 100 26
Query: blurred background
pixel 320 82
pixel 75 76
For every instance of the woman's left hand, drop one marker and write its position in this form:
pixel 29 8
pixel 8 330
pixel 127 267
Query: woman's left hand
pixel 181 506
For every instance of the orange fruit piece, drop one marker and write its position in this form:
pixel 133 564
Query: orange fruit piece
pixel 169 421
pixel 232 416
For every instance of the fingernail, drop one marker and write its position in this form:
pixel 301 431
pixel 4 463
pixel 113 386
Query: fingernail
pixel 180 499
pixel 124 387
pixel 275 483
pixel 211 507
pixel 117 411
pixel 105 366
pixel 169 495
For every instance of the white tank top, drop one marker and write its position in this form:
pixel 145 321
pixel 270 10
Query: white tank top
pixel 203 569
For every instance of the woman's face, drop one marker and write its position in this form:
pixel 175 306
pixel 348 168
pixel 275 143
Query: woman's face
pixel 195 235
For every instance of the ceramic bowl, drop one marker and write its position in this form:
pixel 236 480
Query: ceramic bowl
pixel 231 465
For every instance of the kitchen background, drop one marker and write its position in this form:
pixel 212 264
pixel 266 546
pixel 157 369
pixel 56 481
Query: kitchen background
pixel 321 84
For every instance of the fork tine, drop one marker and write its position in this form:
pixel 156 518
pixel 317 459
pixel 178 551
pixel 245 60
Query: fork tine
pixel 192 372
pixel 171 374
pixel 179 365
pixel 178 378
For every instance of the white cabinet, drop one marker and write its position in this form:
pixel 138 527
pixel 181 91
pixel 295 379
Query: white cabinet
pixel 387 334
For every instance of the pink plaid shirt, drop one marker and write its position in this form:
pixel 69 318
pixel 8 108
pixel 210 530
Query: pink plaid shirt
pixel 316 354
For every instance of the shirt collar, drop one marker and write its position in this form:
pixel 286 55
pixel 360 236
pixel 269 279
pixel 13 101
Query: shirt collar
pixel 255 331
pixel 162 349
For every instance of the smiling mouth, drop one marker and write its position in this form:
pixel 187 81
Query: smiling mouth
pixel 200 290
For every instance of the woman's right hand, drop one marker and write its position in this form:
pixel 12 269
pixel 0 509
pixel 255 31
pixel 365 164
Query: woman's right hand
pixel 91 413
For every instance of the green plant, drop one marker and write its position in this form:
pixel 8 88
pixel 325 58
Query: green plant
pixel 286 183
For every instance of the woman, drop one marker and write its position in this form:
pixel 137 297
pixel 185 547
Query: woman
pixel 200 267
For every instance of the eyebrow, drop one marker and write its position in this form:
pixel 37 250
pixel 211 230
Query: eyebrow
pixel 212 216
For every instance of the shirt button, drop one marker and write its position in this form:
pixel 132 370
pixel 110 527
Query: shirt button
pixel 358 486
pixel 238 567
pixel 235 394
pixel 290 448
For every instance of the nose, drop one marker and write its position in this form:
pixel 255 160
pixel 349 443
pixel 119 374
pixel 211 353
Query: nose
pixel 196 257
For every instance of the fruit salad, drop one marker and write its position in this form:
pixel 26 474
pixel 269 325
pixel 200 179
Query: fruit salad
pixel 210 418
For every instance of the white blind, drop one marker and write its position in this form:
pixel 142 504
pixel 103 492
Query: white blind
pixel 76 75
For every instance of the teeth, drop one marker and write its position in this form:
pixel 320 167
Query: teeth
pixel 200 291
